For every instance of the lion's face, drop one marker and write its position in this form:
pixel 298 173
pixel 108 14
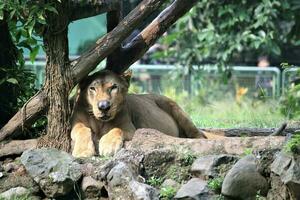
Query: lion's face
pixel 106 93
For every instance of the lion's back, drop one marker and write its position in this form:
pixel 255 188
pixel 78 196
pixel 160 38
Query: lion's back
pixel 145 113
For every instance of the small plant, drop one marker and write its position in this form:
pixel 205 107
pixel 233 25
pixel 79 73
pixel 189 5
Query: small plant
pixel 220 197
pixel 155 181
pixel 19 197
pixel 258 196
pixel 188 158
pixel 178 173
pixel 215 184
pixel 293 145
pixel 105 158
pixel 247 151
pixel 167 193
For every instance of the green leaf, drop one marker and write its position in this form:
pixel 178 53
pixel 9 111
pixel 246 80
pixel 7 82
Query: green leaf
pixel 34 53
pixel 1 15
pixel 51 8
pixel 30 27
pixel 12 80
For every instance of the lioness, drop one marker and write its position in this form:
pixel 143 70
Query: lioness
pixel 104 112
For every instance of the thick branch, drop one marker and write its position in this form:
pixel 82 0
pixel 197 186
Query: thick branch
pixel 142 42
pixel 17 147
pixel 107 44
pixel 30 111
pixel 83 9
pixel 113 18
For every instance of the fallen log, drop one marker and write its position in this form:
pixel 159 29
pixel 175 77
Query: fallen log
pixel 247 132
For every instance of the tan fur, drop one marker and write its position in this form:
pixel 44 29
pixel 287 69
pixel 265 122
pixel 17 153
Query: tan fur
pixel 104 132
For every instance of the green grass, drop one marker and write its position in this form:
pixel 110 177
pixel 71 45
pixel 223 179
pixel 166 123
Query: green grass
pixel 228 114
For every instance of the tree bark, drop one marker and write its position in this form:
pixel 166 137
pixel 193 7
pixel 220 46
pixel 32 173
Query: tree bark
pixel 90 8
pixel 108 43
pixel 58 80
pixel 8 60
pixel 113 18
pixel 142 42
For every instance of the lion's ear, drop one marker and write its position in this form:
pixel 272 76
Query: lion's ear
pixel 127 75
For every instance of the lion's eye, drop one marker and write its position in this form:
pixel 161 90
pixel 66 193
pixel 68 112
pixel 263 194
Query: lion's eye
pixel 113 87
pixel 93 89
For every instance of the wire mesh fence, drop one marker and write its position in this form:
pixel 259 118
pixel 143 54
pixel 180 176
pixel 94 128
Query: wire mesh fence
pixel 159 78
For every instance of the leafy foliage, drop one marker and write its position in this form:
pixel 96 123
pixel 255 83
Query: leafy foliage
pixel 293 145
pixel 26 20
pixel 215 184
pixel 167 193
pixel 290 103
pixel 22 80
pixel 155 181
pixel 218 31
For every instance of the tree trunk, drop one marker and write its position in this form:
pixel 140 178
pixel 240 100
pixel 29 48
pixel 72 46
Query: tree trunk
pixel 8 59
pixel 58 80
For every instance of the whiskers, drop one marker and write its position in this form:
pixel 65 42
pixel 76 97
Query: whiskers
pixel 90 112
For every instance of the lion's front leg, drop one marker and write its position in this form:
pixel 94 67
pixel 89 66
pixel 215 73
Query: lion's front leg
pixel 83 142
pixel 111 142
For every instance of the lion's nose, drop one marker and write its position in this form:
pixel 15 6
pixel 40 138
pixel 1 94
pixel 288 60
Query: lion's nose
pixel 104 105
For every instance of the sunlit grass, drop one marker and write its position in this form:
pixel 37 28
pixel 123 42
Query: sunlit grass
pixel 228 114
pixel 225 112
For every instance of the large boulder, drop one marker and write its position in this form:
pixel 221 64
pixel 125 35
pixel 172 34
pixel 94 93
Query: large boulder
pixel 243 181
pixel 287 167
pixel 55 171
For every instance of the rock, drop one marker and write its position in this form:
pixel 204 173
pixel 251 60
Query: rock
pixel 278 190
pixel 288 168
pixel 13 181
pixel 146 140
pixel 158 157
pixel 194 189
pixel 143 191
pixel 14 192
pixel 123 184
pixel 92 188
pixel 243 181
pixel 207 166
pixel 170 183
pixel 55 171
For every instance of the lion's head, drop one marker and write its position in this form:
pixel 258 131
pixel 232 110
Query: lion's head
pixel 105 92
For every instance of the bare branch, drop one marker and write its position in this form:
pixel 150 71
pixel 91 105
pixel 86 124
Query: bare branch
pixel 142 42
pixel 17 147
pixel 108 43
pixel 89 8
pixel 30 111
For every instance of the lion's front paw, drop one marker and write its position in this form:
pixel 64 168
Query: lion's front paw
pixel 85 153
pixel 83 150
pixel 84 146
pixel 111 142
